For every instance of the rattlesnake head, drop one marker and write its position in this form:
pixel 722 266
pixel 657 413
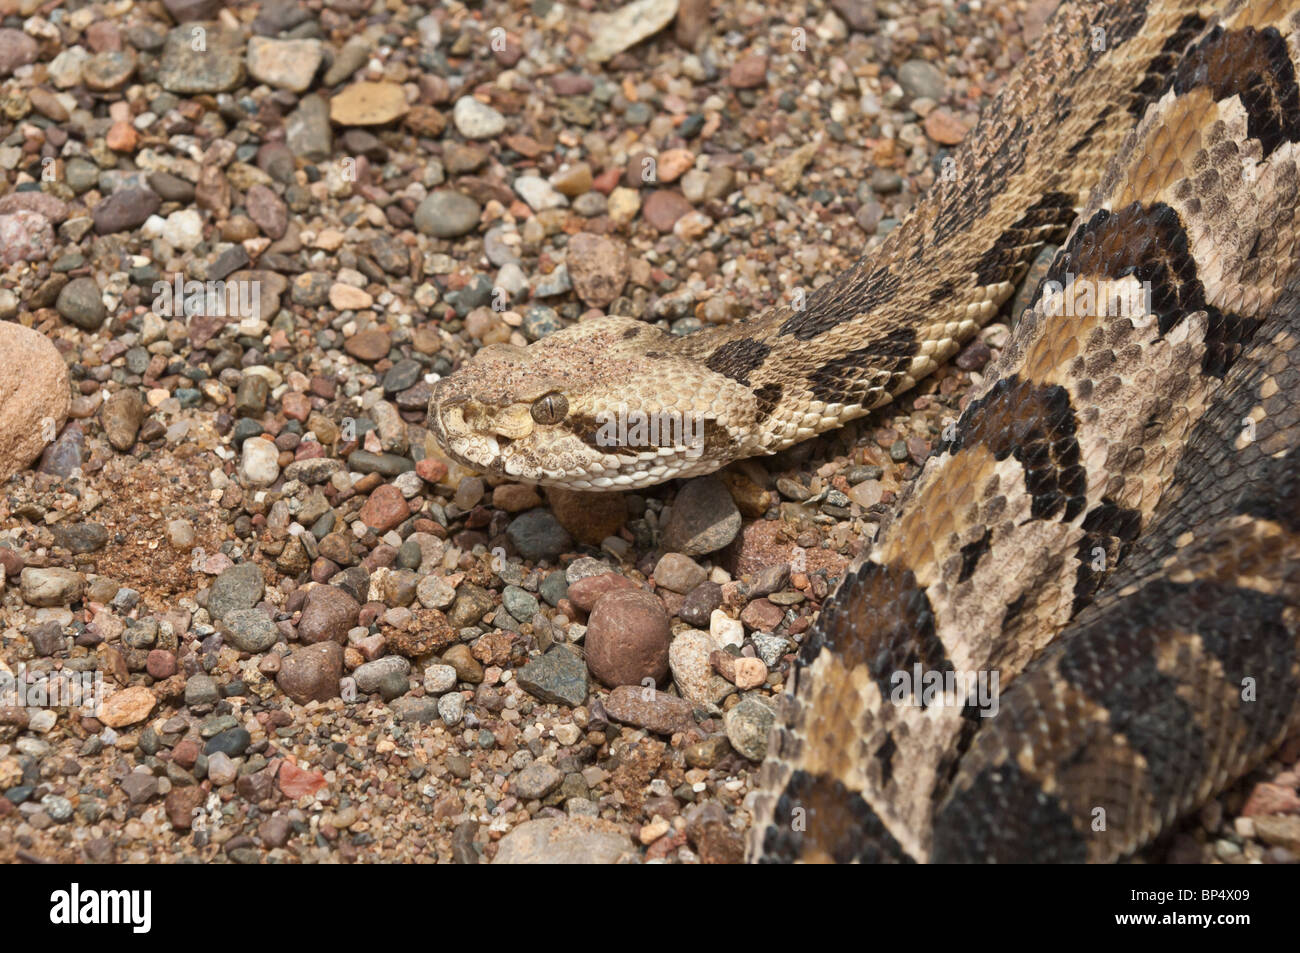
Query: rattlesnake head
pixel 604 405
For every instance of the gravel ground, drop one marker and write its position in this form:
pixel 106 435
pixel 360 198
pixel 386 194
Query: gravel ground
pixel 318 641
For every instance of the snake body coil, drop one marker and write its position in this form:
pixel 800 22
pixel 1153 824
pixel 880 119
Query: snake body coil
pixel 1112 528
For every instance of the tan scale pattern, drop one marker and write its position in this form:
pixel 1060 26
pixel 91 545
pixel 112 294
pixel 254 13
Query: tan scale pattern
pixel 1077 442
pixel 1137 393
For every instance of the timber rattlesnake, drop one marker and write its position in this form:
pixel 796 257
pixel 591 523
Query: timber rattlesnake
pixel 1113 525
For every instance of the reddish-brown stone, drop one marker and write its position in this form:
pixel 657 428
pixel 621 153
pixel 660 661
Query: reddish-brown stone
pixel 627 638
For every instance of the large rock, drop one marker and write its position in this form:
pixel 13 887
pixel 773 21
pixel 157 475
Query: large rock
pixel 704 518
pixel 34 396
pixel 627 638
pixel 566 840
pixel 629 25
pixel 312 673
pixel 327 615
pixel 238 587
pixel 201 60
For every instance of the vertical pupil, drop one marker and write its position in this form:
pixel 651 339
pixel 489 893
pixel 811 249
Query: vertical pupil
pixel 550 409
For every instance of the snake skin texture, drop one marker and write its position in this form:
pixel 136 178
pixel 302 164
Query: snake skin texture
pixel 1111 528
pixel 776 378
pixel 1100 561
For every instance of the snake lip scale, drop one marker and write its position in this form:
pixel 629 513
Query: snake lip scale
pixel 1111 528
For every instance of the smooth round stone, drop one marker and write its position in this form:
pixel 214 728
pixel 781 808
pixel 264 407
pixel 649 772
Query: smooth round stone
pixel 250 630
pixel 554 587
pixel 447 214
pixel 259 464
pixel 34 398
pixel 402 375
pixel 520 603
pixel 679 573
pixel 537 535
pixel 627 638
pixel 476 120
pixel 80 303
pixel 439 679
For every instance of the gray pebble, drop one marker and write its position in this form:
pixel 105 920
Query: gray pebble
pixel 447 214
pixel 921 79
pixel 538 535
pixel 536 781
pixel 80 303
pixel 250 630
pixel 370 675
pixel 559 677
pixel 747 726
pixel 704 518
pixel 239 587
pixel 519 603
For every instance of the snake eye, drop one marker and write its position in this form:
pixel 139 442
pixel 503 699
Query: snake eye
pixel 550 408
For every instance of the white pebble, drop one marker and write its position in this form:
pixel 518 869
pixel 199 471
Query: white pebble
pixel 726 630
pixel 259 465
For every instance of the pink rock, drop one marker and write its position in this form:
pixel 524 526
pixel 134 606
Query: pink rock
pixel 327 615
pixel 34 397
pixel 585 592
pixel 42 203
pixel 385 509
pixel 430 470
pixel 945 128
pixel 16 49
pixel 160 664
pixel 748 72
pixel 744 673
pixel 295 782
pixel 312 673
pixel 186 753
pixel 25 236
pixel 663 208
pixel 296 406
pixel 1271 798
pixel 762 615
pixel 268 210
